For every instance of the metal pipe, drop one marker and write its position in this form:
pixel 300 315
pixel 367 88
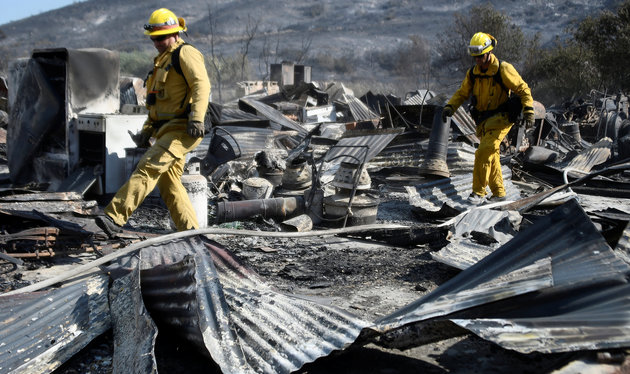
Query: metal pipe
pixel 280 207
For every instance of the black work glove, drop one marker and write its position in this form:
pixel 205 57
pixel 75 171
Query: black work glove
pixel 141 138
pixel 528 119
pixel 195 129
pixel 447 111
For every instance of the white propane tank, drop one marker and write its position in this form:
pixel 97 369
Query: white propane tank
pixel 196 186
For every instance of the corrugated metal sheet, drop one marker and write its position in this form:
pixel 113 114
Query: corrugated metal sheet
pixel 466 125
pixel 527 279
pixel 39 331
pixel 623 245
pixel 420 97
pixel 231 115
pixel 462 254
pixel 460 157
pixel 134 330
pixel 360 146
pixel 199 287
pixel 595 155
pixel 586 308
pixel 453 192
pixel 462 251
pixel 360 111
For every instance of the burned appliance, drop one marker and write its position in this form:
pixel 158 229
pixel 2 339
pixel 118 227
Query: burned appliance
pixel 51 89
pixel 102 141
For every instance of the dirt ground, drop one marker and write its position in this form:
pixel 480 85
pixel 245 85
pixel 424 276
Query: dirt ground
pixel 367 278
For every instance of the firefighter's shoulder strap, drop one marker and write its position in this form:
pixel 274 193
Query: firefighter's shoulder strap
pixel 175 61
pixel 497 77
pixel 175 64
pixel 178 68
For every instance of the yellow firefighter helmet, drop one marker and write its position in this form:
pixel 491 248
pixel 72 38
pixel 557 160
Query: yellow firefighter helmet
pixel 481 43
pixel 163 22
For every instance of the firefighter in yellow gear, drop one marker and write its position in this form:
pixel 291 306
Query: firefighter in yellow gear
pixel 178 92
pixel 489 85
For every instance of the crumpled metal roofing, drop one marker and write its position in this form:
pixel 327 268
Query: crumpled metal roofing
pixel 420 97
pixel 623 245
pixel 39 331
pixel 360 111
pixel 595 155
pixel 359 146
pixel 462 120
pixel 252 140
pixel 275 115
pixel 200 288
pixel 463 254
pixel 231 115
pixel 585 306
pixel 460 157
pixel 453 192
pixel 462 251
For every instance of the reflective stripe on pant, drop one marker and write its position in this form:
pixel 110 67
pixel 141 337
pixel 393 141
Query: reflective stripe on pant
pixel 487 169
pixel 161 165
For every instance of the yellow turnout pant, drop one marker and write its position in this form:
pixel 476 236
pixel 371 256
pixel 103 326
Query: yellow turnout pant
pixel 161 165
pixel 487 169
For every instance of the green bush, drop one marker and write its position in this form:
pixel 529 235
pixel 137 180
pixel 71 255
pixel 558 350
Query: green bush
pixel 136 64
pixel 607 39
pixel 561 73
pixel 511 42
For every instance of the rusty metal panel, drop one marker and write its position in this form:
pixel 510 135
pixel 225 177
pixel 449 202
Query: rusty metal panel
pixel 39 331
pixel 246 326
pixel 585 308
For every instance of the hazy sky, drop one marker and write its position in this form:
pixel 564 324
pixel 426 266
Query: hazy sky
pixel 13 10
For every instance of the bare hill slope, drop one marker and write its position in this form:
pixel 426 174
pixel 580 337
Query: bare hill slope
pixel 337 28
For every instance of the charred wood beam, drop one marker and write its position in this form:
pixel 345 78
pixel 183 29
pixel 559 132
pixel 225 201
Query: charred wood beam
pixel 80 207
pixel 43 196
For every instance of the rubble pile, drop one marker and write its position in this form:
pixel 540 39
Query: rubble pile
pixel 337 232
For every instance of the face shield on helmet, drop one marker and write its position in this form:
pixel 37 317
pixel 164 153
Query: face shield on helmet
pixel 481 43
pixel 163 22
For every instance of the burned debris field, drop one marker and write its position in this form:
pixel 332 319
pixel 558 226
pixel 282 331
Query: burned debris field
pixel 336 235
